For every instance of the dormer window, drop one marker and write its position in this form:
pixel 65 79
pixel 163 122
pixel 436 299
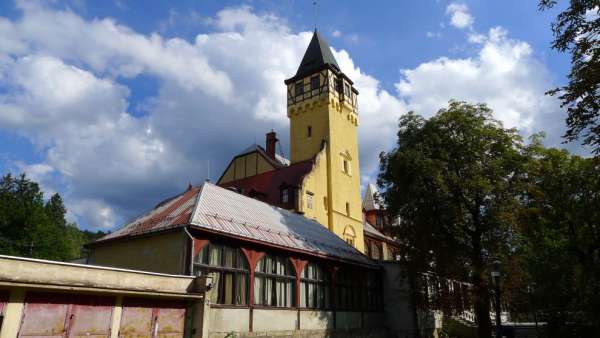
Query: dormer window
pixel 314 82
pixel 299 88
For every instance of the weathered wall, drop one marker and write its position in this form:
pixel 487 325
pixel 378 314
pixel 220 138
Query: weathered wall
pixel 284 322
pixel 274 320
pixel 224 320
pixel 316 320
pixel 163 253
pixel 245 166
pixel 92 299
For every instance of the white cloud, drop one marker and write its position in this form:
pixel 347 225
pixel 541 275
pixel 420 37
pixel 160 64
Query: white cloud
pixel 504 74
pixel 336 33
pixel 459 15
pixel 215 95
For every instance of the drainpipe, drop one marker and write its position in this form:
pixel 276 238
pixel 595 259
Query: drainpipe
pixel 191 253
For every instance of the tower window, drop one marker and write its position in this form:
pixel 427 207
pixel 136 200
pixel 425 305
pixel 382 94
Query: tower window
pixel 299 88
pixel 347 208
pixel 325 202
pixel 314 82
pixel 346 166
pixel 309 131
pixel 285 196
pixel 338 85
pixel 309 201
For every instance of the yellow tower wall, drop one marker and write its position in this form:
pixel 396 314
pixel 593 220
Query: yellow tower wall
pixel 333 120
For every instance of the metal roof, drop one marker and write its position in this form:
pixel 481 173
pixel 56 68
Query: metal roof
pixel 317 55
pixel 369 200
pixel 226 211
pixel 373 232
pixel 221 210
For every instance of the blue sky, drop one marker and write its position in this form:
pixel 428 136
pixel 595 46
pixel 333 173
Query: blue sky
pixel 119 104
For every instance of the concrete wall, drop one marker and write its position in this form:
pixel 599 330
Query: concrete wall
pixel 222 320
pixel 284 322
pixel 275 320
pixel 163 253
pixel 21 276
pixel 316 320
pixel 398 312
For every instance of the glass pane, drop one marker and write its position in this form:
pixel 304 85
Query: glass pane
pixel 203 255
pixel 227 288
pixel 280 293
pixel 228 254
pixel 303 287
pixel 268 291
pixel 241 262
pixel 259 283
pixel 214 292
pixel 241 289
pixel 215 255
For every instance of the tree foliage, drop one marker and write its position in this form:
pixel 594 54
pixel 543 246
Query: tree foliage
pixel 455 181
pixel 32 227
pixel 577 31
pixel 561 226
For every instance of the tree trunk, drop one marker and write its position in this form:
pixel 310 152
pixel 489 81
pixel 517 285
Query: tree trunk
pixel 482 311
pixel 482 293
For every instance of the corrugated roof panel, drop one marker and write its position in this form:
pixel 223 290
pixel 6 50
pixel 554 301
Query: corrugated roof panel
pixel 263 222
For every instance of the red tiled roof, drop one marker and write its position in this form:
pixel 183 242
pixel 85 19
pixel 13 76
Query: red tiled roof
pixel 268 184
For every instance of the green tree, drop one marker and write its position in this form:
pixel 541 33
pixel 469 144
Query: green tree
pixel 577 31
pixel 455 181
pixel 561 226
pixel 31 227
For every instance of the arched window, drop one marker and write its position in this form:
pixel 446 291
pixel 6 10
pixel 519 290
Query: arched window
pixel 349 235
pixel 314 287
pixel 228 268
pixel 274 282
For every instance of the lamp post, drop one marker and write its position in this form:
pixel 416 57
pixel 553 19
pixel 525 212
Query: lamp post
pixel 496 278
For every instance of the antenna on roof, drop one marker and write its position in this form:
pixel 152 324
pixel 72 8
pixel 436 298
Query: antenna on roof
pixel 315 12
pixel 208 170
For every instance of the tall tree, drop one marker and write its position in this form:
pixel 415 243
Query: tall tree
pixel 31 227
pixel 561 224
pixel 454 180
pixel 577 31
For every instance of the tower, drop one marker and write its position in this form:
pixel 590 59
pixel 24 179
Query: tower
pixel 322 108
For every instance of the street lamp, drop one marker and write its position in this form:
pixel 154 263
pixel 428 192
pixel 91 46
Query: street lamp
pixel 496 279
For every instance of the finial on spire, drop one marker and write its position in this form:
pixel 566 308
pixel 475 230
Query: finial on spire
pixel 315 13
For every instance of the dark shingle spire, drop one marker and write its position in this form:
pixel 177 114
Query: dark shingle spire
pixel 317 56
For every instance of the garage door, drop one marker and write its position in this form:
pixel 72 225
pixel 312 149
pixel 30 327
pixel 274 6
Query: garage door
pixel 63 315
pixel 3 301
pixel 148 318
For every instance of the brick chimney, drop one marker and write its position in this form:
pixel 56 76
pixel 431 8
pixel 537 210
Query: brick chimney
pixel 271 143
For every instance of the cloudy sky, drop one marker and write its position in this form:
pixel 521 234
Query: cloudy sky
pixel 119 104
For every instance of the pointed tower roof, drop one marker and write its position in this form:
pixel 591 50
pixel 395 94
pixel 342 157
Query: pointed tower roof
pixel 317 56
pixel 369 201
